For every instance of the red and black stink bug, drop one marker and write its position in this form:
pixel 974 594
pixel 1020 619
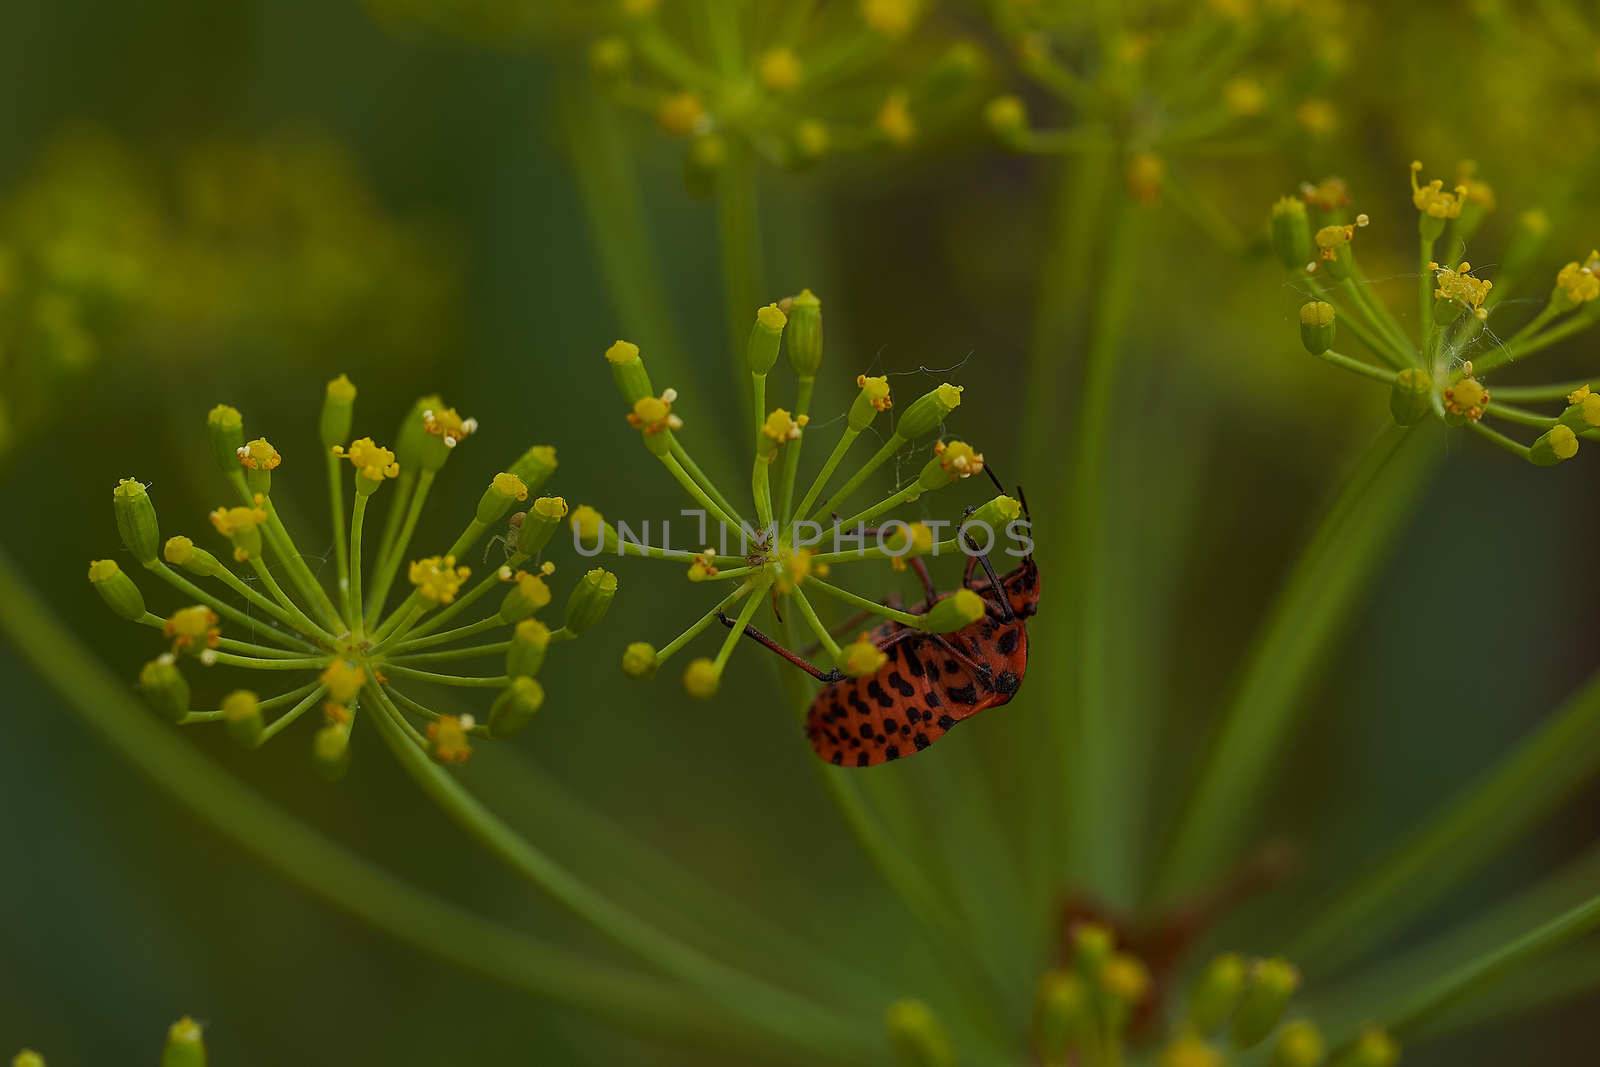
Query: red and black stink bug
pixel 929 682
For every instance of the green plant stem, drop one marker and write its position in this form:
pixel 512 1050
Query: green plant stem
pixel 699 626
pixel 257 627
pixel 1500 440
pixel 244 589
pixel 471 629
pixel 341 547
pixel 466 681
pixel 692 487
pixel 799 1021
pixel 1543 772
pixel 1366 370
pixel 739 238
pixel 1554 391
pixel 299 574
pixel 305 623
pixel 389 565
pixel 888 503
pixel 475 651
pixel 863 604
pixel 791 452
pixel 821 631
pixel 304 857
pixel 856 480
pixel 818 484
pixel 307 663
pixel 1094 770
pixel 1512 351
pixel 1469 980
pixel 1317 598
pixel 288 718
pixel 358 514
pixel 399 506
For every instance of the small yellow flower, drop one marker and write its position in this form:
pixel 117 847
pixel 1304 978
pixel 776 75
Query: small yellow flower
pixel 1146 171
pixel 342 390
pixel 448 425
pixel 370 459
pixel 1580 282
pixel 958 458
pixel 892 18
pixel 652 415
pixel 532 588
pixel 780 70
pixel 861 658
pixel 895 121
pixel 916 540
pixel 509 485
pixel 1329 194
pixel 1467 397
pixel 344 680
pixel 192 629
pixel 447 738
pixel 438 579
pixel 259 455
pixel 794 567
pixel 1244 96
pixel 703 567
pixel 1124 977
pixel 1460 285
pixel 877 390
pixel 701 679
pixel 239 524
pixel 1317 117
pixel 813 138
pixel 1190 1051
pixel 587 524
pixel 1432 200
pixel 681 114
pixel 779 429
pixel 1330 239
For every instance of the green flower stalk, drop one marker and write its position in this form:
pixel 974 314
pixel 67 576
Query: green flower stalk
pixel 320 650
pixel 776 561
pixel 1442 369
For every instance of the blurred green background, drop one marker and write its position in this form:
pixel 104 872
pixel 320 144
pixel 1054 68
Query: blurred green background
pixel 472 274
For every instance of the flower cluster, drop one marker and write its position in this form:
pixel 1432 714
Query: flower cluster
pixel 344 649
pixel 806 86
pixel 185 1047
pixel 777 559
pixel 277 241
pixel 1232 76
pixel 1443 370
pixel 1105 997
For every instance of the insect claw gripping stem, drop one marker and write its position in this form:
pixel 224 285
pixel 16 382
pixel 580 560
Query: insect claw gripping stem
pixel 766 642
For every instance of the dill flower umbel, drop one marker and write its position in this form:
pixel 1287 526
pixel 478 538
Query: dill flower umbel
pixel 780 556
pixel 348 650
pixel 1443 368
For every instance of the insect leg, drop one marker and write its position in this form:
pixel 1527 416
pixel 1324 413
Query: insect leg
pixel 982 558
pixel 978 670
pixel 766 642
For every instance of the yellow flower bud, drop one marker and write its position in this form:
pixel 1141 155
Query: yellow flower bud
pixel 438 579
pixel 891 18
pixel 895 121
pixel 861 658
pixel 701 679
pixel 241 713
pixel 192 629
pixel 681 114
pixel 639 660
pixel 779 70
pixel 447 736
pixel 343 680
pixel 515 707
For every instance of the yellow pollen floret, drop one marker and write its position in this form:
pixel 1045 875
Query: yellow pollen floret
pixel 1125 978
pixel 1330 239
pixel 1432 200
pixel 877 390
pixel 447 738
pixel 343 680
pixel 703 567
pixel 780 70
pixel 587 523
pixel 1244 96
pixel 259 455
pixel 1317 117
pixel 509 485
pixel 895 121
pixel 448 425
pixel 652 414
pixel 370 459
pixel 959 458
pixel 192 628
pixel 533 589
pixel 1466 398
pixel 794 567
pixel 1460 285
pixel 681 114
pixel 915 540
pixel 1326 195
pixel 438 579
pixel 782 428
pixel 231 521
pixel 892 18
pixel 1580 282
pixel 862 658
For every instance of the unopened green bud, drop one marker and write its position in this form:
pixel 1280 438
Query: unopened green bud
pixel 164 687
pixel 504 490
pixel 338 409
pixel 529 641
pixel 591 530
pixel 1316 326
pixel 1299 1044
pixel 805 334
pixel 515 707
pixel 928 412
pixel 535 466
pixel 627 370
pixel 539 524
pixel 993 517
pixel 1216 993
pixel 136 520
pixel 117 589
pixel 916 1035
pixel 590 600
pixel 639 660
pixel 185 1046
pixel 1411 398
pixel 873 398
pixel 1063 1015
pixel 330 750
pixel 1291 233
pixel 182 552
pixel 1373 1048
pixel 528 594
pixel 241 712
pixel 956 611
pixel 1267 990
pixel 765 338
pixel 225 427
pixel 1555 445
pixel 412 438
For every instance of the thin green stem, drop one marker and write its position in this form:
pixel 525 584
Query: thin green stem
pixel 290 717
pixel 791 452
pixel 1554 391
pixel 820 482
pixel 798 1020
pixel 888 503
pixel 358 514
pixel 471 629
pixel 1500 440
pixel 699 626
pixel 859 478
pixel 681 454
pixel 306 624
pixel 1542 773
pixel 863 604
pixel 1366 370
pixel 389 565
pixel 257 627
pixel 399 505
pixel 472 652
pixel 1512 351
pixel 244 589
pixel 305 663
pixel 739 237
pixel 815 623
pixel 692 487
pixel 758 589
pixel 299 574
pixel 341 547
pixel 1318 597
pixel 1520 416
pixel 498 681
